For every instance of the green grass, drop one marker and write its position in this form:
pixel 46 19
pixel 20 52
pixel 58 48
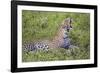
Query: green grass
pixel 55 54
pixel 41 25
pixel 38 25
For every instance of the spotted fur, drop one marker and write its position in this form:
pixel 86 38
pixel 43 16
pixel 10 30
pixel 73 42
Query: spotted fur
pixel 35 46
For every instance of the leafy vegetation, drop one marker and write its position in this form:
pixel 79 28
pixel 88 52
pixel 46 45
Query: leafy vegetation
pixel 55 54
pixel 37 25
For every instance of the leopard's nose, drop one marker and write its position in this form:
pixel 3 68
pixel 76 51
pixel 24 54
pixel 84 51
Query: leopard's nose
pixel 70 26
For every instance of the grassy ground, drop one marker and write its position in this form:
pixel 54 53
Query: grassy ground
pixel 55 54
pixel 38 25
